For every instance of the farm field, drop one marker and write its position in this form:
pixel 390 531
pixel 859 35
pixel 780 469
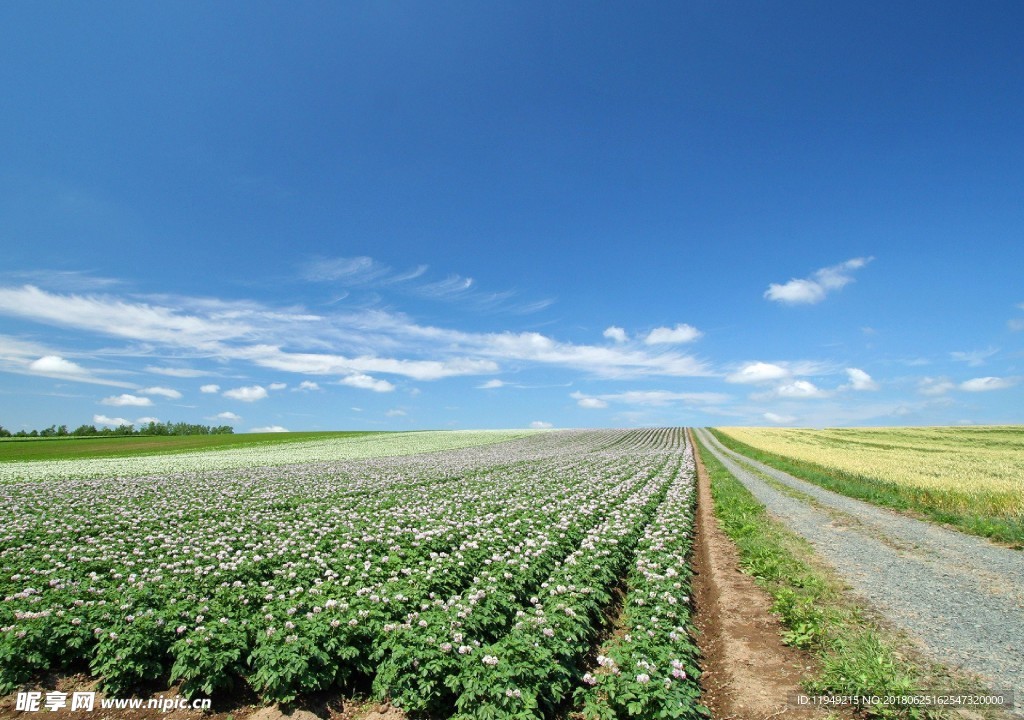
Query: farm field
pixel 277 449
pixel 971 477
pixel 19 449
pixel 453 573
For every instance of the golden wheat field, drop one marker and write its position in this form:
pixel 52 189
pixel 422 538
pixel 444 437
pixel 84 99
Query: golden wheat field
pixel 977 470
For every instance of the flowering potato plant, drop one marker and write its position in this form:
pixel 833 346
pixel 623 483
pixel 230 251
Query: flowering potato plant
pixel 472 580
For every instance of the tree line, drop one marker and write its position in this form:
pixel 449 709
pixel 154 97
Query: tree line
pixel 151 428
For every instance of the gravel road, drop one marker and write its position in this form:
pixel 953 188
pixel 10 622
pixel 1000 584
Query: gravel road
pixel 961 596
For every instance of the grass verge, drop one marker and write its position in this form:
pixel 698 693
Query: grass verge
pixel 921 502
pixel 856 655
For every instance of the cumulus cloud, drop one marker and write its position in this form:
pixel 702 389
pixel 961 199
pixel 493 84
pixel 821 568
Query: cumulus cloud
pixel 793 390
pixel 112 422
pixel 228 415
pixel 491 385
pixel 269 429
pixel 277 386
pixel 56 365
pixel 365 382
pixel 126 399
pixel 308 385
pixel 616 333
pixel 859 380
pixel 681 333
pixel 984 384
pixel 163 391
pixel 817 287
pixel 540 425
pixel 250 393
pixel 209 388
pixel 591 403
pixel 757 372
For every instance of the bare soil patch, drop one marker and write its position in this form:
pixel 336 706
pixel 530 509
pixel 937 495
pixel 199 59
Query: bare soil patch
pixel 748 673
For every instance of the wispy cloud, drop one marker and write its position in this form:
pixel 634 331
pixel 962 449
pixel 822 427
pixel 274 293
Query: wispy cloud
pixel 651 398
pixel 176 372
pixel 974 358
pixel 162 391
pixel 491 385
pixel 541 425
pixel 681 333
pixel 817 287
pixel 778 419
pixel 934 386
pixel 269 429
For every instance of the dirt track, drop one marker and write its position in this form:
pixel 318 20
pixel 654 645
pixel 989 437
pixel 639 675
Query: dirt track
pixel 960 595
pixel 748 673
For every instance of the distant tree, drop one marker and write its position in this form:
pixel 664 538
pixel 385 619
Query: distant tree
pixel 83 430
pixel 4 432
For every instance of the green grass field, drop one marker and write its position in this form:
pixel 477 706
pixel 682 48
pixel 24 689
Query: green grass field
pixel 21 449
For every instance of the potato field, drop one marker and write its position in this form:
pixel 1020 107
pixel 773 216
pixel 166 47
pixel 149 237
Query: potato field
pixel 510 577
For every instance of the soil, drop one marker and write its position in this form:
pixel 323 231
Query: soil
pixel 748 673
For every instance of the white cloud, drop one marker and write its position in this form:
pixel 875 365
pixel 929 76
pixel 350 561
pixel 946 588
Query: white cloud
pixel 654 398
pixel 451 286
pixel 983 384
pixel 758 372
pixel 396 413
pixel 974 358
pixel 165 392
pixel 56 365
pixel 269 429
pixel 307 385
pixel 779 419
pixel 491 385
pixel 176 372
pixel 859 380
pixel 814 289
pixel 1016 325
pixel 251 393
pixel 277 386
pixel 228 415
pixel 147 420
pixel 540 425
pixel 291 340
pixel 793 390
pixel 112 422
pixel 681 333
pixel 126 399
pixel 934 386
pixel 616 333
pixel 365 382
pixel 209 388
pixel 799 389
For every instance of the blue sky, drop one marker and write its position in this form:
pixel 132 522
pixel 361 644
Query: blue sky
pixel 460 214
